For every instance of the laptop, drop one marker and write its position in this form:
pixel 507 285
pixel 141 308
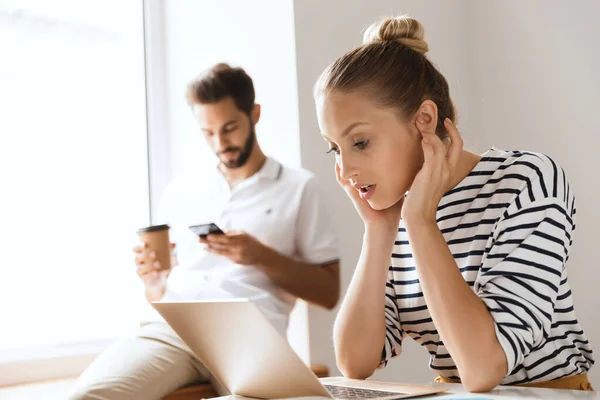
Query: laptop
pixel 246 354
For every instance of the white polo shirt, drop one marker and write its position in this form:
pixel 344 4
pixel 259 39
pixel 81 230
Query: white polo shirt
pixel 281 207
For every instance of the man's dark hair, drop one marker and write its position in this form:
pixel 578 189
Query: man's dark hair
pixel 219 82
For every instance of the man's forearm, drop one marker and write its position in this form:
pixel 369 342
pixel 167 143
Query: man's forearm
pixel 316 284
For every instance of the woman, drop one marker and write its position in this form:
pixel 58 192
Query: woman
pixel 478 244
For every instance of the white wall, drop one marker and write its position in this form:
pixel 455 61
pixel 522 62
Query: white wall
pixel 257 35
pixel 324 31
pixel 536 66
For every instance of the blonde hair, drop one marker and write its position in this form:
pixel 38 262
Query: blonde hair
pixel 392 68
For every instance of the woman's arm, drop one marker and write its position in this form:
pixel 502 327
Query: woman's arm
pixel 359 330
pixel 461 318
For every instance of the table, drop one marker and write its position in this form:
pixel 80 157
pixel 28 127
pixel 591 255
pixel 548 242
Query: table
pixel 457 391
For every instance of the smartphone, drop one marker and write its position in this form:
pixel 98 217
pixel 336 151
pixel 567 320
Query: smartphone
pixel 205 229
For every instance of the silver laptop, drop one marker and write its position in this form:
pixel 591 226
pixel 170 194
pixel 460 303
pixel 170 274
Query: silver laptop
pixel 247 355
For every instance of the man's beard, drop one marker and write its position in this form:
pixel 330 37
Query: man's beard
pixel 244 152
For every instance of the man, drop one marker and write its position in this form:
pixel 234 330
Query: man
pixel 278 245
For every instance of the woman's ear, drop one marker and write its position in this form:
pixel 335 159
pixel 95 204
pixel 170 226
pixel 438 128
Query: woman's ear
pixel 427 117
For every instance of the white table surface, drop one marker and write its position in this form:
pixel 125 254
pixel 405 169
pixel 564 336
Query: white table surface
pixel 456 391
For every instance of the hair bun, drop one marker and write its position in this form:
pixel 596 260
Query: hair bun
pixel 402 29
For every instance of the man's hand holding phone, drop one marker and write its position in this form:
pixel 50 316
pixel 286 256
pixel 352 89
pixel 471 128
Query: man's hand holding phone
pixel 238 246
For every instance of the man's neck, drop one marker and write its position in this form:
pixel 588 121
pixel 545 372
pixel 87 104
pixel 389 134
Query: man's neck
pixel 234 176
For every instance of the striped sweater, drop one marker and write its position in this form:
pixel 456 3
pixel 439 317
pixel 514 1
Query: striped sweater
pixel 509 225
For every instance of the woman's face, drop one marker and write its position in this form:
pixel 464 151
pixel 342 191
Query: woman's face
pixel 377 152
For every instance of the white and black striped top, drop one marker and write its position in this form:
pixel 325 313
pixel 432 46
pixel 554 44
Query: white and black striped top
pixel 509 225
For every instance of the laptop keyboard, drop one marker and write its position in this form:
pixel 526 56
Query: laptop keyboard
pixel 343 392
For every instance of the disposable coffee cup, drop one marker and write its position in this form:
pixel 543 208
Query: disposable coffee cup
pixel 157 238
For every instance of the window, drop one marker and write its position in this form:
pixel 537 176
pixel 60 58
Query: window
pixel 74 170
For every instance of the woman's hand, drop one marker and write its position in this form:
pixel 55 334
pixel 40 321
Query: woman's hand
pixel 387 219
pixel 434 178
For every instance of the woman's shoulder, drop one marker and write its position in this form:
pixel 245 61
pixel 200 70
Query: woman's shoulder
pixel 527 169
pixel 525 162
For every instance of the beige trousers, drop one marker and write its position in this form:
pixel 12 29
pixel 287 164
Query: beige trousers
pixel 148 365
